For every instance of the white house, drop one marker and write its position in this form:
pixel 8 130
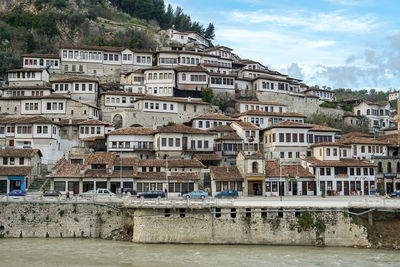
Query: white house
pixel 28 77
pixel 51 62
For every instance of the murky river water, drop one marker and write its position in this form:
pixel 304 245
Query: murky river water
pixel 81 252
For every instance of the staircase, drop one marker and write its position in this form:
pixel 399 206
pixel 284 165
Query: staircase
pixel 39 184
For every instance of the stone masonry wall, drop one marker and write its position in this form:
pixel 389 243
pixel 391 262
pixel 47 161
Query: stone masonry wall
pixel 324 228
pixel 58 220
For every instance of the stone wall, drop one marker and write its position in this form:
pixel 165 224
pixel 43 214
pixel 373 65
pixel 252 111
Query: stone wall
pixel 199 226
pixel 299 103
pixel 58 220
pixel 323 228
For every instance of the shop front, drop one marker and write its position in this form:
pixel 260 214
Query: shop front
pixel 16 183
pixel 255 186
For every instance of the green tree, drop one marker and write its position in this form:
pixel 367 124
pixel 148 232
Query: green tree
pixel 209 33
pixel 207 94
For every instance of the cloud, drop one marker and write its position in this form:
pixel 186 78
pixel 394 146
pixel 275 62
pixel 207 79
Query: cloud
pixel 295 71
pixel 371 68
pixel 335 21
pixel 350 2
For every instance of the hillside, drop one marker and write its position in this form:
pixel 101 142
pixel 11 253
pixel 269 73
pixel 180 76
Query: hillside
pixel 39 26
pixel 371 95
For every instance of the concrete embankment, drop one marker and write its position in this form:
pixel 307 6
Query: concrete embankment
pixel 202 225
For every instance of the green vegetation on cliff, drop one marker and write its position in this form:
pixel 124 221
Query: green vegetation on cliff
pixel 40 26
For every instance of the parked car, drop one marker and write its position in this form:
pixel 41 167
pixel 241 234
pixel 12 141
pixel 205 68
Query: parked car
pixel 395 194
pixel 227 193
pixel 196 194
pixel 16 193
pixel 104 191
pixel 152 194
pixel 52 193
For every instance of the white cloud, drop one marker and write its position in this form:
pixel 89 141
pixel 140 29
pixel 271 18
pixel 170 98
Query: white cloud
pixel 350 2
pixel 335 21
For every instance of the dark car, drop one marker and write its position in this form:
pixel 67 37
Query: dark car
pixel 227 193
pixel 152 194
pixel 16 193
pixel 395 194
pixel 52 193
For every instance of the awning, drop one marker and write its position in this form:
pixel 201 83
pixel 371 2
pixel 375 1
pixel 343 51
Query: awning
pixel 255 178
pixel 16 178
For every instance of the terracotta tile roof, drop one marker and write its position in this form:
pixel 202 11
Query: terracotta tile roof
pixel 28 69
pixel 230 136
pixel 107 158
pixel 206 157
pixel 190 69
pixel 319 128
pixel 249 155
pixel 92 47
pixel 225 173
pixel 362 140
pixel 185 176
pixel 92 122
pixel 339 163
pixel 213 65
pixel 66 122
pixel 116 174
pixel 41 55
pixel 349 114
pixel 19 152
pixel 132 131
pixel 27 120
pixel 270 78
pixel 172 99
pixel 272 170
pixel 172 163
pixel 15 171
pixel 93 138
pixel 210 73
pixel 355 134
pixel 330 144
pixel 73 79
pixel 246 125
pixel 291 124
pixel 260 102
pixel 271 114
pixel 123 93
pixel 180 128
pixel 389 139
pixel 214 116
pixel 26 87
pixel 222 128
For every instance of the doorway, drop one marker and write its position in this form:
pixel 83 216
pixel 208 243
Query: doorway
pixel 346 188
pixel 255 189
pixel 304 188
pixel 294 188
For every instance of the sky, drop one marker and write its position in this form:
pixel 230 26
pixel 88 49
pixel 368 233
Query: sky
pixel 337 43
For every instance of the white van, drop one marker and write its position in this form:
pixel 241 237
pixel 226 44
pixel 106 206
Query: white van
pixel 104 192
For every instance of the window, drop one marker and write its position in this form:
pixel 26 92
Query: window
pixel 177 142
pixel 21 161
pixel 170 142
pixel 282 138
pixel 321 171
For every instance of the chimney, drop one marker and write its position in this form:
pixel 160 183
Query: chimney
pixel 227 169
pixel 70 121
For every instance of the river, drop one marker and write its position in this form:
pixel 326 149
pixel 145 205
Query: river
pixel 92 252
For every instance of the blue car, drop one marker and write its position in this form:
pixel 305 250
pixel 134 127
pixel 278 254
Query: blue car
pixel 227 193
pixel 16 193
pixel 395 194
pixel 196 194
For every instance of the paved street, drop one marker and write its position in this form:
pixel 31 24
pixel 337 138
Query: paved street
pixel 337 202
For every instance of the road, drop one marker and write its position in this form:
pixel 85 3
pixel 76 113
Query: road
pixel 302 202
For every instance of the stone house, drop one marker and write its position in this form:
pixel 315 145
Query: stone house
pixel 19 167
pixel 132 142
pixel 28 77
pixel 377 113
pixel 180 141
pixel 78 88
pixel 212 120
pixel 251 166
pixel 51 62
pixel 226 178
pixel 245 105
pixel 339 174
pixel 33 132
pixel 250 134
pixel 288 180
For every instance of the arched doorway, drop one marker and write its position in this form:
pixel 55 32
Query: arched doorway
pixel 117 121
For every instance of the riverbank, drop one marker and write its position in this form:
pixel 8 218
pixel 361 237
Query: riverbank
pixel 202 225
